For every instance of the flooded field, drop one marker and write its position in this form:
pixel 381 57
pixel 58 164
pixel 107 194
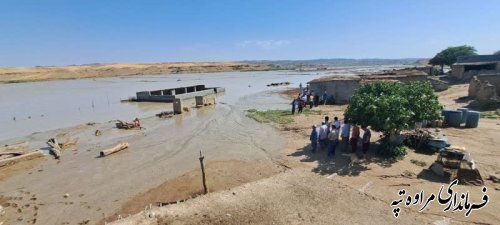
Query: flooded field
pixel 164 150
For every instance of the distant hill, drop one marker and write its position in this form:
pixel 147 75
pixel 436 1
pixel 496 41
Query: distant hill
pixel 334 62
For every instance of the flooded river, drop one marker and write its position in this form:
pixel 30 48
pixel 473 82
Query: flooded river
pixel 26 108
pixel 166 149
pixel 34 107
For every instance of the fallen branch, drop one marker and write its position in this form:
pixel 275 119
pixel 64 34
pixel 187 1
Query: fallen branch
pixel 11 153
pixel 23 157
pixel 117 148
pixel 56 149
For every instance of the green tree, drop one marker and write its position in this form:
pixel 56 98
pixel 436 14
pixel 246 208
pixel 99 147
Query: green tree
pixel 450 55
pixel 391 107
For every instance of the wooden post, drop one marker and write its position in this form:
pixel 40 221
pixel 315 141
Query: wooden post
pixel 205 191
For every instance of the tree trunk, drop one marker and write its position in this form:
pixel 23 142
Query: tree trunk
pixel 16 159
pixel 442 68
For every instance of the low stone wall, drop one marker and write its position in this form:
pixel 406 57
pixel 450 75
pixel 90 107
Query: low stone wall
pixel 485 87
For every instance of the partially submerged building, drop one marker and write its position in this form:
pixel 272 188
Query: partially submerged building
pixel 182 93
pixel 467 67
pixel 340 88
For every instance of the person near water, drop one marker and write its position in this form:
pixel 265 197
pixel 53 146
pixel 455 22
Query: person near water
pixel 316 100
pixel 325 97
pixel 345 135
pixel 366 139
pixel 301 89
pixel 314 138
pixel 293 105
pixel 310 101
pixel 323 135
pixel 300 105
pixel 354 137
pixel 333 139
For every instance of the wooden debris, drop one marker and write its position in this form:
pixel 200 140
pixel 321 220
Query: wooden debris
pixel 117 148
pixel 97 133
pixel 11 153
pixel 56 148
pixel 19 158
pixel 165 115
pixel 124 125
pixel 279 84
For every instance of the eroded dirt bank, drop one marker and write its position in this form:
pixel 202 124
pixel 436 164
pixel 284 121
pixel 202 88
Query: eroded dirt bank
pixel 15 75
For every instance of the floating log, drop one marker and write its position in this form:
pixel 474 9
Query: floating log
pixel 117 148
pixel 5 155
pixel 23 157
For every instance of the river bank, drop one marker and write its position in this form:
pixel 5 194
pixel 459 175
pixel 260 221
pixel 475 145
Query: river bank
pixel 82 186
pixel 45 73
pixel 314 190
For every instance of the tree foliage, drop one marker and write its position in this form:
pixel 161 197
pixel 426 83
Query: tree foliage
pixel 497 53
pixel 391 107
pixel 450 55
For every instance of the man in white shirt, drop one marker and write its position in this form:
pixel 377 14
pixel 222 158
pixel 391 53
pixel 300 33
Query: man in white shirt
pixel 323 135
pixel 333 139
pixel 337 122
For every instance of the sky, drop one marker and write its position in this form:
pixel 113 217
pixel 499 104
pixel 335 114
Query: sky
pixel 65 32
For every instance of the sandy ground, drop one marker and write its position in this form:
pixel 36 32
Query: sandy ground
pixel 320 191
pixel 100 188
pixel 220 175
pixel 12 75
pixel 293 197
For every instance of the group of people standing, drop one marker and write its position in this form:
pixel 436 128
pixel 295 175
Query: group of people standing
pixel 332 133
pixel 307 98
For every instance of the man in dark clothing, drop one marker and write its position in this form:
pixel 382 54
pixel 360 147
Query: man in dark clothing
pixel 294 102
pixel 314 138
pixel 301 105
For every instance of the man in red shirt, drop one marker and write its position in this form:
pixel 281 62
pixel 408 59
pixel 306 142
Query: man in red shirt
pixel 354 137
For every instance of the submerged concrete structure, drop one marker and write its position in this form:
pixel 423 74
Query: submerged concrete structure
pixel 169 95
pixel 340 88
pixel 467 67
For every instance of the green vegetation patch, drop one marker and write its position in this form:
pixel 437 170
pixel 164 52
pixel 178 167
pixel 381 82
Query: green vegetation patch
pixel 418 163
pixel 491 114
pixel 278 116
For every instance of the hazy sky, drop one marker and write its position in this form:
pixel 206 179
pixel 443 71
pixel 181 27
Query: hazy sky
pixel 50 32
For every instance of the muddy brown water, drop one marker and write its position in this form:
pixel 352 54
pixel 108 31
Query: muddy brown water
pixel 166 149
